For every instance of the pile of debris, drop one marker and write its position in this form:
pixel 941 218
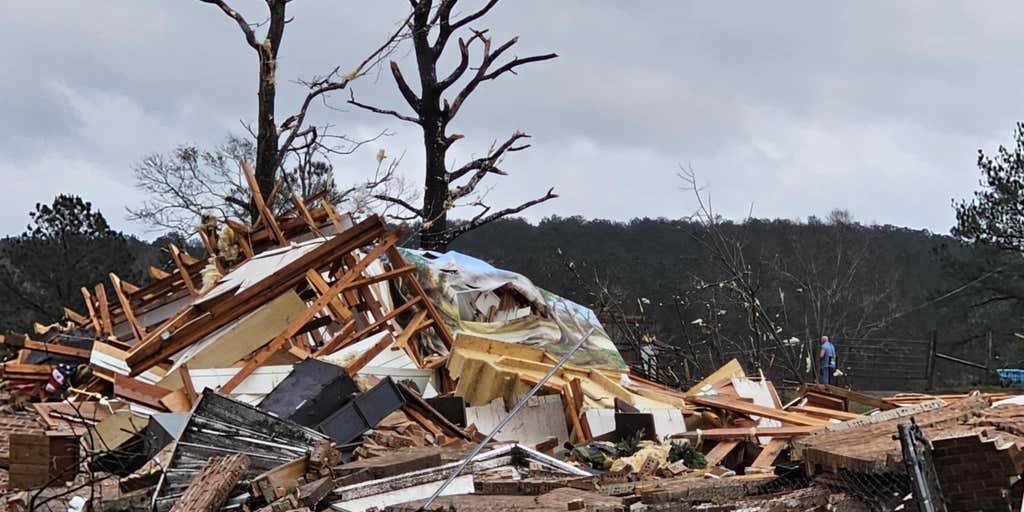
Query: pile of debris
pixel 309 363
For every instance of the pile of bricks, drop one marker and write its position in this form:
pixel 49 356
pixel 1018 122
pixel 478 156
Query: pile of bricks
pixel 16 423
pixel 977 472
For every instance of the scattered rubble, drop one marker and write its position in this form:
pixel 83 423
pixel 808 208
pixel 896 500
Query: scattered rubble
pixel 309 363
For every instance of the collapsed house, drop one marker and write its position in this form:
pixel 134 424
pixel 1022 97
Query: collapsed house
pixel 309 363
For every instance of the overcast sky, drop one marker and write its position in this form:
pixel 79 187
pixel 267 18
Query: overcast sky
pixel 786 109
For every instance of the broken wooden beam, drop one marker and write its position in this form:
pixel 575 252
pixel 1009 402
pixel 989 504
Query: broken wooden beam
pixel 212 486
pixel 738 406
pixel 736 433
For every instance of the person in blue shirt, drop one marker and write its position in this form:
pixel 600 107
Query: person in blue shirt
pixel 827 358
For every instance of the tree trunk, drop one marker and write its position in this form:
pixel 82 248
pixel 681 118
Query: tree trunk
pixel 268 155
pixel 434 233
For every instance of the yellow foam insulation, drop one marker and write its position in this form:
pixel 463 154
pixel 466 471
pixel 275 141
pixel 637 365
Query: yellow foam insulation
pixel 487 369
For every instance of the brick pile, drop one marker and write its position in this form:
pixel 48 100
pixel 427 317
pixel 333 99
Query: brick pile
pixel 977 472
pixel 16 423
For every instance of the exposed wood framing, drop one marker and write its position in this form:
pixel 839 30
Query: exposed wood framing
pixel 224 310
pixel 157 274
pixel 91 308
pixel 75 316
pixel 104 307
pixel 301 206
pixel 137 329
pixel 269 349
pixel 179 261
pixel 261 205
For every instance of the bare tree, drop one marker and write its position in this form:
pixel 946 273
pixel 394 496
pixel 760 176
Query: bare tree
pixel 433 111
pixel 190 183
pixel 837 293
pixel 745 289
pixel 275 142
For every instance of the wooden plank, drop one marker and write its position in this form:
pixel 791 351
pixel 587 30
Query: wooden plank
pixel 186 384
pixel 337 344
pixel 15 371
pixel 75 316
pixel 739 433
pixel 53 348
pixel 339 311
pixel 415 325
pixel 157 274
pixel 179 261
pixel 757 410
pixel 126 307
pixel 572 414
pixel 261 206
pixel 104 307
pixel 720 452
pixel 272 196
pixel 367 356
pixel 211 488
pixel 301 206
pixel 766 459
pixel 138 391
pixel 94 321
pixel 332 213
pixel 442 330
pixel 728 370
pixel 129 288
pixel 176 401
pixel 851 395
pixel 830 413
pixel 277 482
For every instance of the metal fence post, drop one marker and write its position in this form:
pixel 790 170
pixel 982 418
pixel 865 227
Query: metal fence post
pixel 908 436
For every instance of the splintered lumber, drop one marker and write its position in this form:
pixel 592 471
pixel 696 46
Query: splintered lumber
pixel 313 493
pixel 361 361
pixel 212 486
pixel 207 318
pixel 119 289
pixel 219 425
pixel 157 274
pixel 261 205
pixel 398 261
pixel 747 408
pixel 179 261
pixel 140 392
pixel 21 371
pixel 75 316
pixel 104 307
pixel 766 459
pixel 272 347
pixel 825 413
pixel 720 452
pixel 19 341
pixel 281 480
pixel 89 306
pixel 848 394
pixel 736 433
pixel 726 372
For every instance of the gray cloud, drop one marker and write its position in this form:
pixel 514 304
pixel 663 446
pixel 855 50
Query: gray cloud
pixel 792 108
